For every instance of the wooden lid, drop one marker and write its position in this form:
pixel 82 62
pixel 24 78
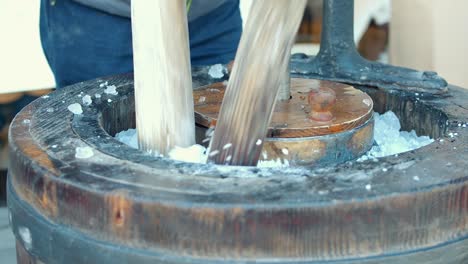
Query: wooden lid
pixel 293 118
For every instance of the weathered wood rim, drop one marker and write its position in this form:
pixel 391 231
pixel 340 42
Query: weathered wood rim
pixel 209 212
pixel 81 248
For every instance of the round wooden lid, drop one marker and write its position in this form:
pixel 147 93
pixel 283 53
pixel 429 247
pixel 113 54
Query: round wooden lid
pixel 316 108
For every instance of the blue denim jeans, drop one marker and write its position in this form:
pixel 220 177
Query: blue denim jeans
pixel 82 43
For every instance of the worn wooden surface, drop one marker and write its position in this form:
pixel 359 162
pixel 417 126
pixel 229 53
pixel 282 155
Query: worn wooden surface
pixel 141 207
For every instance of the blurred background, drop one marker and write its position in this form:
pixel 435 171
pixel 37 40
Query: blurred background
pixel 420 34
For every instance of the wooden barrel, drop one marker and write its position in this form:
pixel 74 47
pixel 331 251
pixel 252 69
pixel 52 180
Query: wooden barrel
pixel 76 195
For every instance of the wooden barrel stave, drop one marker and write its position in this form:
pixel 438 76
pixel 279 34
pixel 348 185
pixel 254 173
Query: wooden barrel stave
pixel 59 244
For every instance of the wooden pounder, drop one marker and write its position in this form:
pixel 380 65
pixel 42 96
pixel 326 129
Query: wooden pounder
pixel 261 61
pixel 323 123
pixel 163 80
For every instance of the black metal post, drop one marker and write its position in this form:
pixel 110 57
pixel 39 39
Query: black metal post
pixel 337 31
pixel 338 59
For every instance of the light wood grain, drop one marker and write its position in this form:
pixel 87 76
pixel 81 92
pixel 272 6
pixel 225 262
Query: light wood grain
pixel 163 84
pixel 259 68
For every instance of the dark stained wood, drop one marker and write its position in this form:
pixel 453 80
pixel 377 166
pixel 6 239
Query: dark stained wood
pixel 374 42
pixel 291 118
pixel 187 213
pixel 321 151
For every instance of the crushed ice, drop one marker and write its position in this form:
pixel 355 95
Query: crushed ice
pixel 389 141
pixel 193 154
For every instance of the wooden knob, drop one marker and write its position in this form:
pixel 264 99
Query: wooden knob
pixel 321 103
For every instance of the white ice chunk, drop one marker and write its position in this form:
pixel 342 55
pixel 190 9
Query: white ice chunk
pixel 87 101
pixel 227 146
pixel 367 102
pixel 214 153
pixel 128 137
pixel 216 71
pixel 25 235
pixel 193 154
pixel 84 153
pixel 75 109
pixel 111 89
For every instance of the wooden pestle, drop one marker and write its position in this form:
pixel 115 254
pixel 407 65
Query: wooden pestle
pixel 261 61
pixel 163 82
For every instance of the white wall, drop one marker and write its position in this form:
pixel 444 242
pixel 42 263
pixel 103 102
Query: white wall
pixel 431 35
pixel 450 40
pixel 22 63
